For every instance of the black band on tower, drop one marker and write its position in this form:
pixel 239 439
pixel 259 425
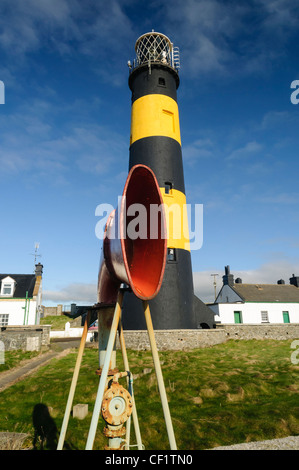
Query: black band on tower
pixel 155 152
pixel 161 80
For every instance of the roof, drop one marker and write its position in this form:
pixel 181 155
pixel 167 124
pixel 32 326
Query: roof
pixel 204 315
pixel 24 283
pixel 267 292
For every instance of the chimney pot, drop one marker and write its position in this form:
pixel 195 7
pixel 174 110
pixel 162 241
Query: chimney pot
pixel 38 269
pixel 228 279
pixel 294 281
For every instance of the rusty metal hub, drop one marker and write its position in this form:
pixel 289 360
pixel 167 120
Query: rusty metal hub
pixel 110 371
pixel 114 431
pixel 117 405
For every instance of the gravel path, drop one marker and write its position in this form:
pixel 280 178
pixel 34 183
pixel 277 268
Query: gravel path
pixel 10 377
pixel 286 443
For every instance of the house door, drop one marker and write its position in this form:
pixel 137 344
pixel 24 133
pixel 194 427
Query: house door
pixel 238 317
pixel 286 317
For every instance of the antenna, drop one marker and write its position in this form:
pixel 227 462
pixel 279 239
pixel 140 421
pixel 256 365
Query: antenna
pixel 35 254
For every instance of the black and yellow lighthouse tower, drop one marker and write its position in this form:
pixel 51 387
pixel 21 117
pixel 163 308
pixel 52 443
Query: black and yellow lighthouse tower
pixel 155 141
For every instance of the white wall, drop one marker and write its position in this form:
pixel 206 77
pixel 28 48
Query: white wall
pixel 251 312
pixel 69 332
pixel 15 309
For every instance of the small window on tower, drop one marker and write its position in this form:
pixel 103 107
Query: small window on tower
pixel 168 188
pixel 161 81
pixel 171 254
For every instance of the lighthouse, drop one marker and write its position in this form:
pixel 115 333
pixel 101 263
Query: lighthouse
pixel 155 141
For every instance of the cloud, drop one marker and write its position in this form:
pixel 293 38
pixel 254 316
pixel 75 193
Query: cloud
pixel 78 293
pixel 282 15
pixel 231 38
pixel 274 119
pixel 268 273
pixel 33 144
pixel 224 38
pixel 201 148
pixel 100 148
pixel 245 151
pixel 25 24
pixel 201 29
pixel 65 25
pixel 280 198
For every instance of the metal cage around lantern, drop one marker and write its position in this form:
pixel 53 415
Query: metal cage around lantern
pixel 155 47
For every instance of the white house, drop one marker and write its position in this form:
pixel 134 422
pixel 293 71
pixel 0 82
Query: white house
pixel 256 303
pixel 20 298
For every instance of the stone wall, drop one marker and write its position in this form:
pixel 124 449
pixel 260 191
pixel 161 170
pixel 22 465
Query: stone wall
pixel 52 311
pixel 25 338
pixel 193 339
pixel 174 339
pixel 261 331
pixel 32 337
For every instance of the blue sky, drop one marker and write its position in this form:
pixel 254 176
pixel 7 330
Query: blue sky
pixel 65 126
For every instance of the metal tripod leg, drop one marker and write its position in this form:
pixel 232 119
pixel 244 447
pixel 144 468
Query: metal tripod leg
pixel 134 411
pixel 159 375
pixel 104 374
pixel 73 384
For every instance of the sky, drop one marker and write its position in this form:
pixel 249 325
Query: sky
pixel 65 129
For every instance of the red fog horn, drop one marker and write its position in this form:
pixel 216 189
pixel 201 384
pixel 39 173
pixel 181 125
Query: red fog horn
pixel 134 246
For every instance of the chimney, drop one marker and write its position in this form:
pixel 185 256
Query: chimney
pixel 280 281
pixel 228 279
pixel 294 281
pixel 38 269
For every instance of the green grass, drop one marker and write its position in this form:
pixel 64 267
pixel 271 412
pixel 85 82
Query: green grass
pixel 234 392
pixel 57 322
pixel 16 358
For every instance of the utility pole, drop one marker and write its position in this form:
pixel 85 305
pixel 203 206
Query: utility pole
pixel 215 283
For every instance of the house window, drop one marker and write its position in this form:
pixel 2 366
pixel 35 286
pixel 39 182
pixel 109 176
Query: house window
pixel 238 317
pixel 4 319
pixel 161 81
pixel 7 287
pixel 286 317
pixel 265 317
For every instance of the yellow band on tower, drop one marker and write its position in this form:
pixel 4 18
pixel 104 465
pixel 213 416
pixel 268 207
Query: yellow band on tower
pixel 155 115
pixel 176 219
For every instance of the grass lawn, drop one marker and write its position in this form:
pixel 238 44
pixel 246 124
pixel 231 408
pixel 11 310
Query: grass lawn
pixel 58 322
pixel 233 392
pixel 16 358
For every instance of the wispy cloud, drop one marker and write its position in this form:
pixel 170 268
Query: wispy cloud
pixel 25 25
pixel 227 38
pixel 273 119
pixel 280 198
pixel 65 25
pixel 282 15
pixel 32 145
pixel 200 148
pixel 243 152
pixel 231 38
pixel 79 293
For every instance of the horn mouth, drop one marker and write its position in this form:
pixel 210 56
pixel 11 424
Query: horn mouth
pixel 145 255
pixel 137 254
